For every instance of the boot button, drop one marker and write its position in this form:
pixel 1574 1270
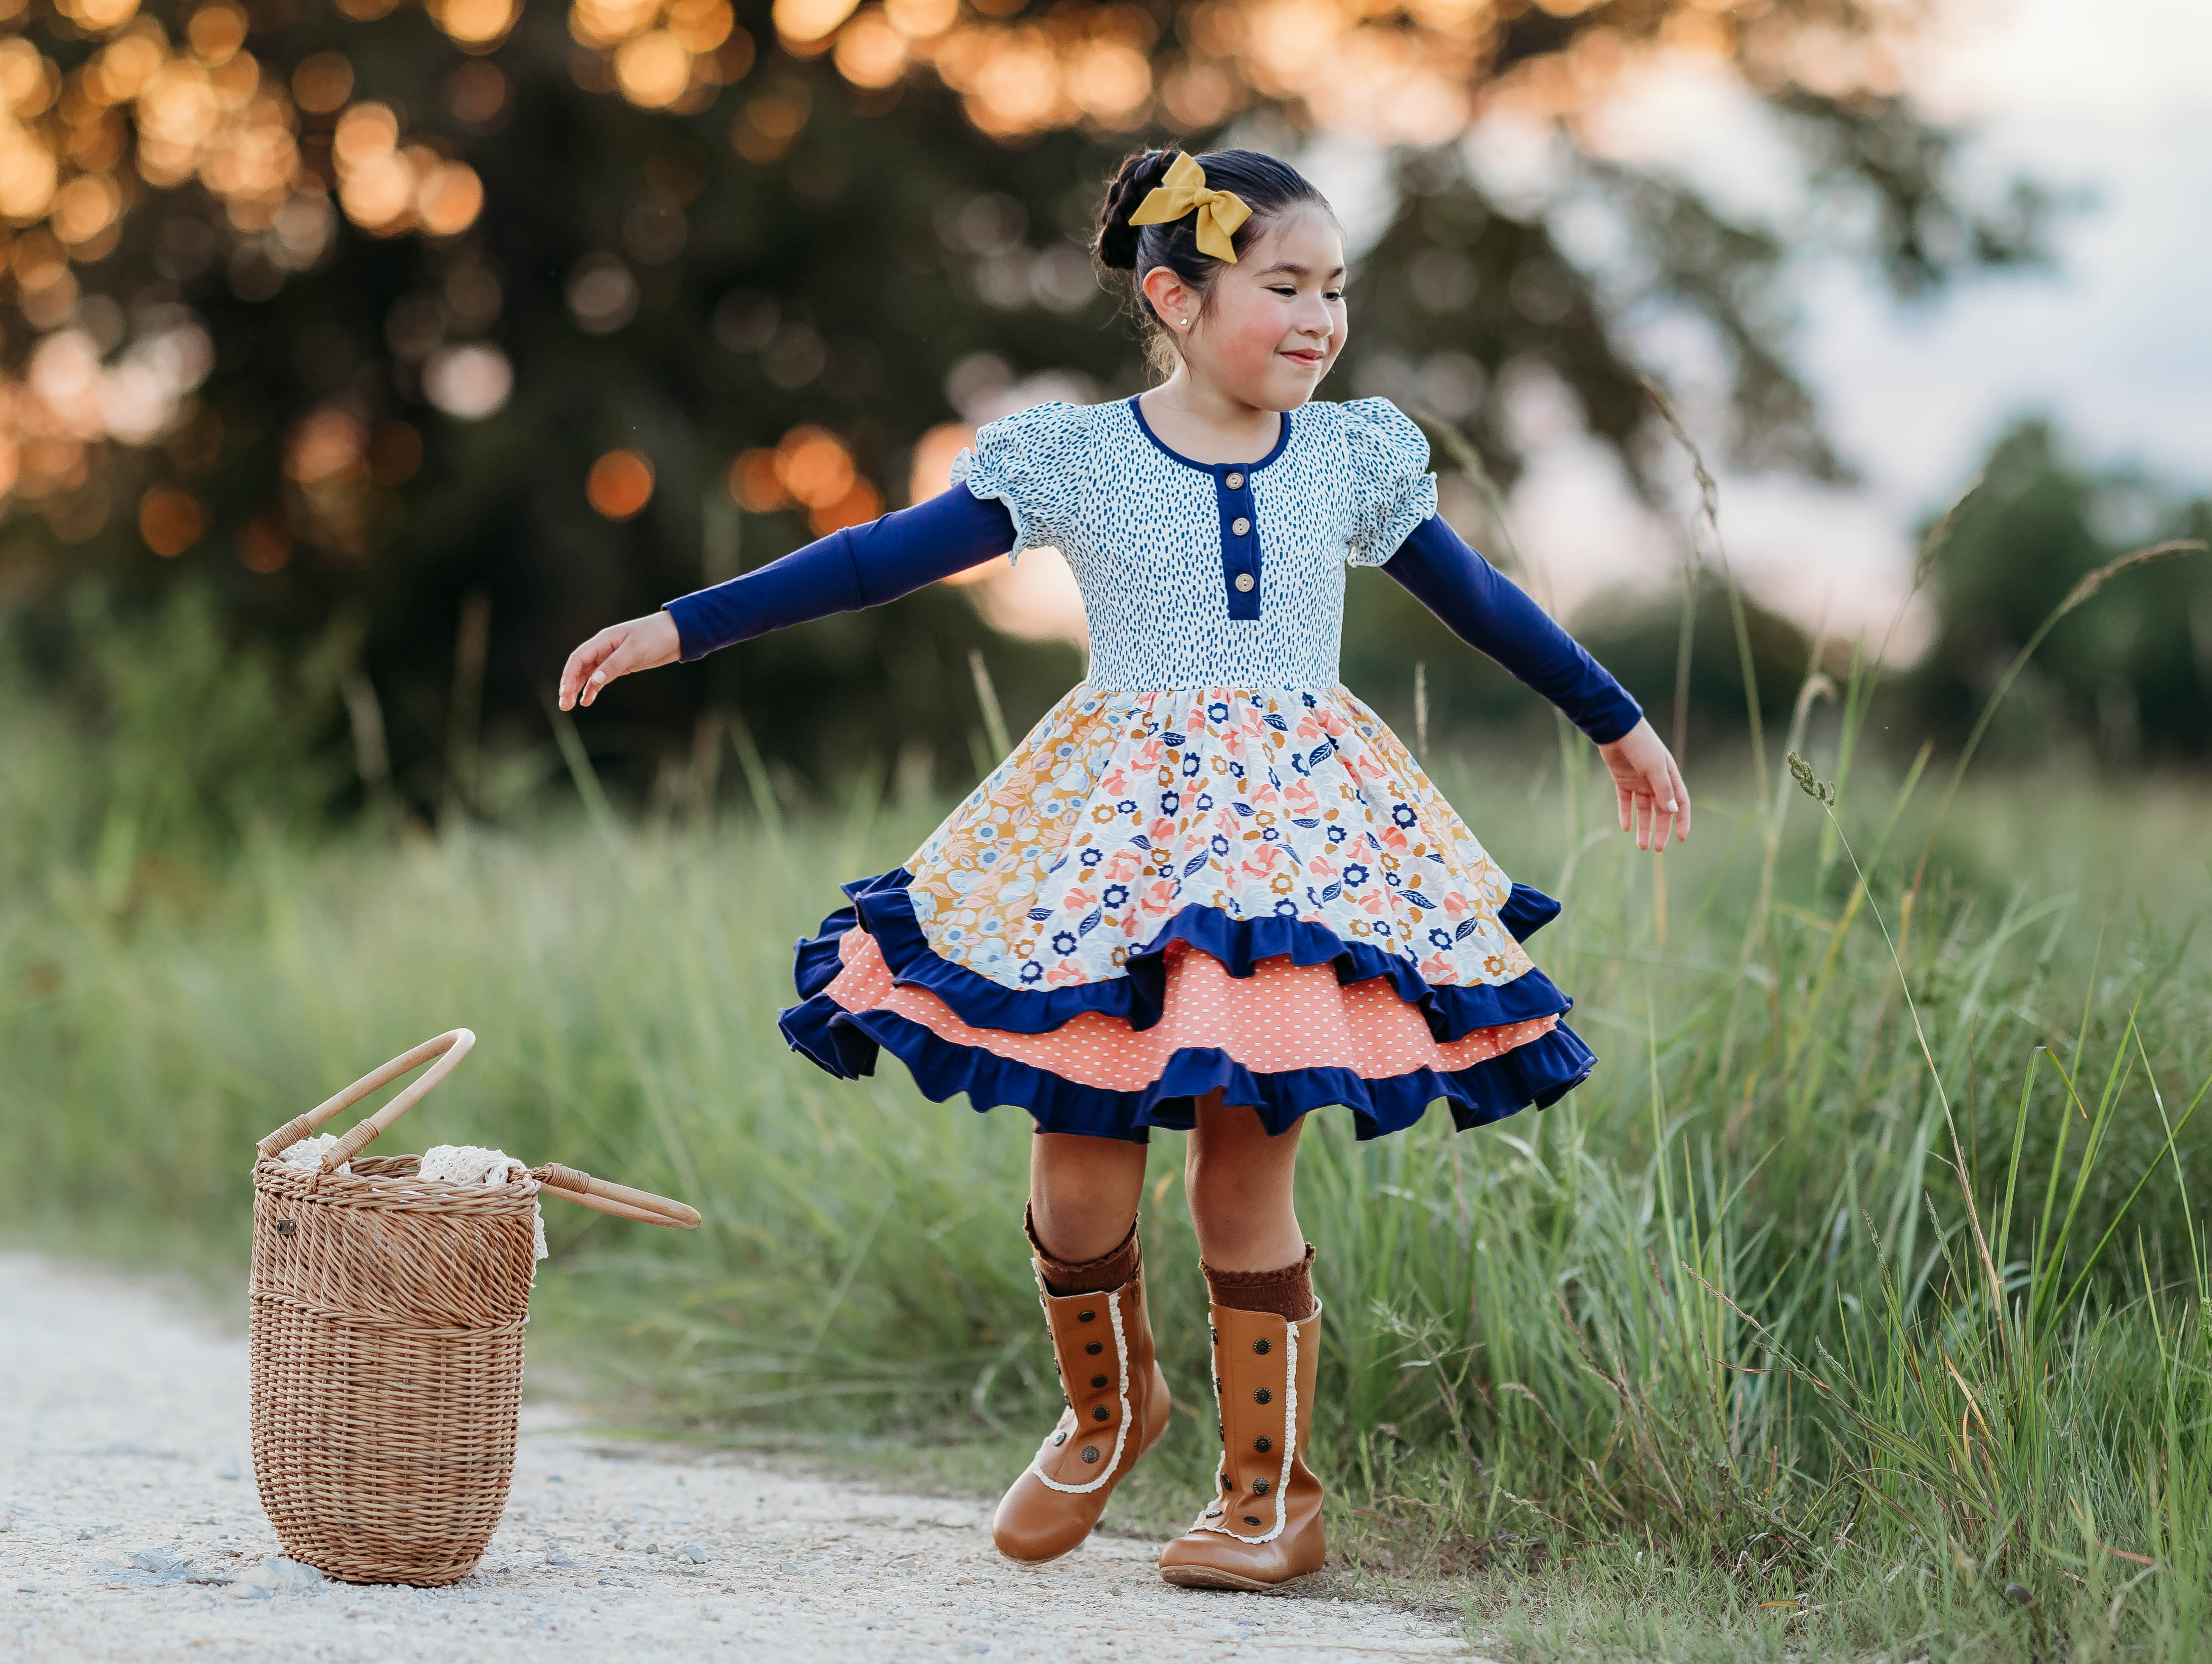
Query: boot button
pixel 1259 1487
pixel 1098 1381
pixel 1261 1347
pixel 1262 1444
pixel 1085 1317
pixel 1213 1514
pixel 1061 1437
pixel 1099 1414
pixel 1251 1518
pixel 1096 1348
pixel 1262 1396
pixel 1089 1452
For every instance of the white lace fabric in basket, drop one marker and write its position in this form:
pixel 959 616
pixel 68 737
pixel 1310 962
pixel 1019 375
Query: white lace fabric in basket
pixel 452 1164
pixel 309 1153
pixel 470 1164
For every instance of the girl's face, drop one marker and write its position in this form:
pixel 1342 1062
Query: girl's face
pixel 1274 322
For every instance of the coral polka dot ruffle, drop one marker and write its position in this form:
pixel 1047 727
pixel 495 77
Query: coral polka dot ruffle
pixel 1282 1018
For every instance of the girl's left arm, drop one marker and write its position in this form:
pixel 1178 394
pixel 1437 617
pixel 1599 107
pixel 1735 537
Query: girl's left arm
pixel 1494 615
pixel 859 566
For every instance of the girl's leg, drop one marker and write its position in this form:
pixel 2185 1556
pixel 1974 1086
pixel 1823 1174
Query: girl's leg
pixel 1238 1179
pixel 1083 1193
pixel 1083 1224
pixel 1262 1527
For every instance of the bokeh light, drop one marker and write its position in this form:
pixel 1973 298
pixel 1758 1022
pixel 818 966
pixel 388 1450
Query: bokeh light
pixel 322 83
pixel 471 381
pixel 653 70
pixel 266 544
pixel 476 25
pixel 807 22
pixel 661 54
pixel 620 485
pixel 753 485
pixel 170 520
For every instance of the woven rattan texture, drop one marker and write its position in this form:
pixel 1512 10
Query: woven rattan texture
pixel 388 1315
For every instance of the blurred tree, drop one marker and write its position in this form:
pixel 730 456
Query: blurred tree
pixel 2131 671
pixel 357 311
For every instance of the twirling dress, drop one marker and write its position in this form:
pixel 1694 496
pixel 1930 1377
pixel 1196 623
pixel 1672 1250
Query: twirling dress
pixel 1209 865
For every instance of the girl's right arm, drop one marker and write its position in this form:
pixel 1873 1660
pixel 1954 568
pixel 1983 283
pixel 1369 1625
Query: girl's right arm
pixel 860 566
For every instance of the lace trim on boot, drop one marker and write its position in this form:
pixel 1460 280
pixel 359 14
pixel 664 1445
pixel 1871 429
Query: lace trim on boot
pixel 1120 1432
pixel 1289 1442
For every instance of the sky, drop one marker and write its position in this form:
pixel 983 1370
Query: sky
pixel 2114 343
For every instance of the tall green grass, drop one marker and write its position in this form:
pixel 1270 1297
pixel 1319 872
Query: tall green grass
pixel 1746 1305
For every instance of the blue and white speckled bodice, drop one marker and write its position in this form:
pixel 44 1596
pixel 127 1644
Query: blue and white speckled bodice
pixel 1208 575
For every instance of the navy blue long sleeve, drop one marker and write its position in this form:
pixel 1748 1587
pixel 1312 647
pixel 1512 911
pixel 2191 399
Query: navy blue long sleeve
pixel 860 566
pixel 1494 615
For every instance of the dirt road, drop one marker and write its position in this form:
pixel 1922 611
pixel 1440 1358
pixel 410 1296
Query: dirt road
pixel 130 1529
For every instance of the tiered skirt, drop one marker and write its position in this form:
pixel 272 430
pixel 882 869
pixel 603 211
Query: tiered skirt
pixel 1159 894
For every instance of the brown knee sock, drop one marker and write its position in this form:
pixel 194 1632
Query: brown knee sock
pixel 1088 1276
pixel 1287 1293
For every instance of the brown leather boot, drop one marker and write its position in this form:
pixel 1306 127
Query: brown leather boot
pixel 1117 1409
pixel 1263 1526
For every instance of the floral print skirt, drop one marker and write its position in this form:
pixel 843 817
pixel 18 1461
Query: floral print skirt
pixel 1162 894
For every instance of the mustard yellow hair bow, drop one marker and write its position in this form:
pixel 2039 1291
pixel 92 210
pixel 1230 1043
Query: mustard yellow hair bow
pixel 1219 212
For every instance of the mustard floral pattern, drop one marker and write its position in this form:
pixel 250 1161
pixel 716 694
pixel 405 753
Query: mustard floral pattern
pixel 1119 810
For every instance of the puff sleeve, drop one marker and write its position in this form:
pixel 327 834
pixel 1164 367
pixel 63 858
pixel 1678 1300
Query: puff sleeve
pixel 1394 490
pixel 1033 462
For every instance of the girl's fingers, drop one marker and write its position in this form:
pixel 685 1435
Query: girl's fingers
pixel 1671 806
pixel 1681 799
pixel 1627 802
pixel 589 661
pixel 572 674
pixel 614 658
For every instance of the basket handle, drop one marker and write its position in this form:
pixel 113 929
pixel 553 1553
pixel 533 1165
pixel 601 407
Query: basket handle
pixel 448 1048
pixel 620 1200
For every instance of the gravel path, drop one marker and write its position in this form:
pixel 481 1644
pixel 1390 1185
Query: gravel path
pixel 130 1529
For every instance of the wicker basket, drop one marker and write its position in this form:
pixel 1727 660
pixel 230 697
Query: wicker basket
pixel 388 1313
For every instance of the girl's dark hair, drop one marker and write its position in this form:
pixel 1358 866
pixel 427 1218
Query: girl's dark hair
pixel 1268 187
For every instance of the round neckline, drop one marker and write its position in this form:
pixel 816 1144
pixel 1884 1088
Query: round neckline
pixel 1210 469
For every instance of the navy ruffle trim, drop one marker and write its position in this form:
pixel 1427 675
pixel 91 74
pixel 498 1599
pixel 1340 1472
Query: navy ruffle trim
pixel 846 1043
pixel 883 907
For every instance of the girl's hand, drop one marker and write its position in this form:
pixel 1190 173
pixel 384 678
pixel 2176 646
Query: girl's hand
pixel 641 645
pixel 1652 794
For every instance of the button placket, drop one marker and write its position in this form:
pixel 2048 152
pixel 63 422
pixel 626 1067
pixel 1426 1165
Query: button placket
pixel 1240 544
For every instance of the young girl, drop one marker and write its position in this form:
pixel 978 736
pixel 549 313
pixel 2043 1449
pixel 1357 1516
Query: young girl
pixel 1211 890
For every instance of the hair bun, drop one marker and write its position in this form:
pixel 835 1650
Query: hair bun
pixel 1139 176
